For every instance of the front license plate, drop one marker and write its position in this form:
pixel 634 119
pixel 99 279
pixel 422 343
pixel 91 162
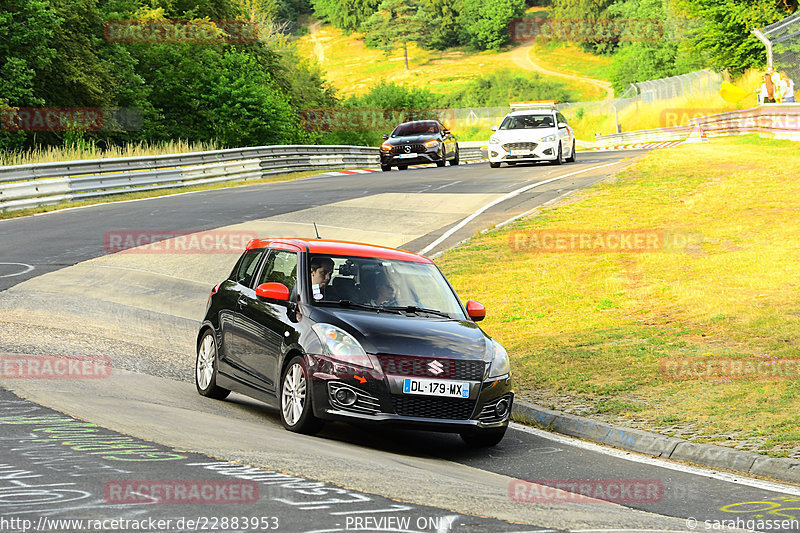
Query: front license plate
pixel 407 156
pixel 433 387
pixel 519 152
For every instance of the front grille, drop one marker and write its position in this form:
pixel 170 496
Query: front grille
pixel 488 415
pixel 449 408
pixel 415 149
pixel 405 365
pixel 519 146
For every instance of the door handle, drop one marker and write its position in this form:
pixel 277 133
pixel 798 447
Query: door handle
pixel 242 301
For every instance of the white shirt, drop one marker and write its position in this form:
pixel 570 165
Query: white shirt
pixel 787 88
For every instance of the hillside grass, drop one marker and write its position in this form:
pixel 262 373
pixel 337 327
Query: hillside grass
pixel 595 326
pixel 353 69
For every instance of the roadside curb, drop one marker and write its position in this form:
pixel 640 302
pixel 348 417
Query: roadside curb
pixel 657 445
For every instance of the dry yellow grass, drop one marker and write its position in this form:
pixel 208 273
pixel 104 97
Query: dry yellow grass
pixel 598 325
pixel 353 68
pixel 56 153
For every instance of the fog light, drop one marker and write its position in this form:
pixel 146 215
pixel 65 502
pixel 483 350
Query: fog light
pixel 494 154
pixel 549 151
pixel 345 396
pixel 501 408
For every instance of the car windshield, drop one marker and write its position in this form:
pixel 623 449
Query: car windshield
pixel 528 122
pixel 390 285
pixel 416 128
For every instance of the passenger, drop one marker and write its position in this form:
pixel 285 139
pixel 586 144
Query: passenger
pixel 321 270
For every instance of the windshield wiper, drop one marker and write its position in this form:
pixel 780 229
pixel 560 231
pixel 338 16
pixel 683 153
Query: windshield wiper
pixel 415 309
pixel 348 303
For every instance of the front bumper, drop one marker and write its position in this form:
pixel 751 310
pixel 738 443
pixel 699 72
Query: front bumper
pixel 432 155
pixel 538 151
pixel 380 400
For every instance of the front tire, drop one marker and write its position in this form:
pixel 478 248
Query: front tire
pixel 571 158
pixel 559 157
pixel 402 167
pixel 484 438
pixel 386 168
pixel 297 413
pixel 494 165
pixel 205 369
pixel 455 161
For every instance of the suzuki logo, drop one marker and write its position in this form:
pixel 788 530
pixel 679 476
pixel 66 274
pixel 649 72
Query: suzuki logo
pixel 407 149
pixel 435 368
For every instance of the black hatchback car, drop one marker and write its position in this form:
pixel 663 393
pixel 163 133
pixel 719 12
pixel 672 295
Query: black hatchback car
pixel 415 143
pixel 331 330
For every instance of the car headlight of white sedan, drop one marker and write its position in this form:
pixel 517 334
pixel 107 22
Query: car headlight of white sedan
pixel 548 139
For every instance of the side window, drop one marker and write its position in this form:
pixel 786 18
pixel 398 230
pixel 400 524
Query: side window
pixel 561 117
pixel 246 267
pixel 280 267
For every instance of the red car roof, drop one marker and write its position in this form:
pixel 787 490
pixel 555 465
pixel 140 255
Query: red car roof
pixel 322 246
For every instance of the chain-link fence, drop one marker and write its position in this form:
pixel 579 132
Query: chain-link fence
pixel 784 45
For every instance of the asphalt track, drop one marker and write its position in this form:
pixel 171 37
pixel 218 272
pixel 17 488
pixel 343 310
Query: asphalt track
pixel 64 294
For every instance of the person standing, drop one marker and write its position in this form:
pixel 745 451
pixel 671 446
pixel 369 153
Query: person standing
pixel 787 88
pixel 776 82
pixel 768 90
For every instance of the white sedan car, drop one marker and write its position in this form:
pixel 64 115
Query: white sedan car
pixel 532 135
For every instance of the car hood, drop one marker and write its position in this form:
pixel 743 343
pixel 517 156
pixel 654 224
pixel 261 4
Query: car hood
pixel 523 135
pixel 399 334
pixel 412 139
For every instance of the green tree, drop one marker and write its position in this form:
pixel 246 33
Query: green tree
pixel 576 12
pixel 347 15
pixel 484 23
pixel 725 34
pixel 393 26
pixel 440 23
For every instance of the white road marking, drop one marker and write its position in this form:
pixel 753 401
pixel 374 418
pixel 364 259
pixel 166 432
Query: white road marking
pixel 446 185
pixel 503 198
pixel 739 479
pixel 27 269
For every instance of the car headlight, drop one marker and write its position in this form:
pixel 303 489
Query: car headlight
pixel 339 344
pixel 548 139
pixel 386 147
pixel 500 365
pixel 432 144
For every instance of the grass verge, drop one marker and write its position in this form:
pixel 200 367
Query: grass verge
pixel 594 328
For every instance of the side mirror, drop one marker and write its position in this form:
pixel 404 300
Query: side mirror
pixel 562 125
pixel 445 132
pixel 273 291
pixel 494 128
pixel 385 137
pixel 476 311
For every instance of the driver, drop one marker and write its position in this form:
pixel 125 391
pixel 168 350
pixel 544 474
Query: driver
pixel 321 270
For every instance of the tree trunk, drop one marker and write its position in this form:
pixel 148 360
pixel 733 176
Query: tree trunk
pixel 405 53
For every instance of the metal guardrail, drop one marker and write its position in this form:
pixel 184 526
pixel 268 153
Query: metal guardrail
pixel 772 120
pixel 23 186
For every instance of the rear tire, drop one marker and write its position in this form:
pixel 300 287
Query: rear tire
pixel 571 158
pixel 402 167
pixel 484 438
pixel 205 369
pixel 297 413
pixel 494 165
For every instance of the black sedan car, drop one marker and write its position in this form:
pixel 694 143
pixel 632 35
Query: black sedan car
pixel 331 330
pixel 419 142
